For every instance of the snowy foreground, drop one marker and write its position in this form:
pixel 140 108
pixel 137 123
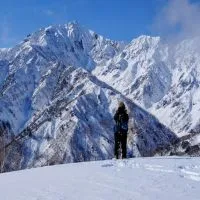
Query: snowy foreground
pixel 141 178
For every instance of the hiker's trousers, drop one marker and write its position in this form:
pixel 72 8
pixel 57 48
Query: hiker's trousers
pixel 120 140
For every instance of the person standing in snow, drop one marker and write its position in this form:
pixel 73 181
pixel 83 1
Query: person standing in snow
pixel 121 130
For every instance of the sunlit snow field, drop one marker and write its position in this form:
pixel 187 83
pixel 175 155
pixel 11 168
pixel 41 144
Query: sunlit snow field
pixel 140 178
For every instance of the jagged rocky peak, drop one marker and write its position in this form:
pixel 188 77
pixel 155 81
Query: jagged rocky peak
pixel 55 35
pixel 75 30
pixel 145 41
pixel 144 49
pixel 139 70
pixel 72 44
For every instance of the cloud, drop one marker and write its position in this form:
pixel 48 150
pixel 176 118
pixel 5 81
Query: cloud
pixel 178 19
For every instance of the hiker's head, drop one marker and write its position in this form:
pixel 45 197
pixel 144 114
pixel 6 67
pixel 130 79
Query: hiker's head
pixel 121 106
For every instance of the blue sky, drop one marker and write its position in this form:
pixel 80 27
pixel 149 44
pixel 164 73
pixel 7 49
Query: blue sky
pixel 115 19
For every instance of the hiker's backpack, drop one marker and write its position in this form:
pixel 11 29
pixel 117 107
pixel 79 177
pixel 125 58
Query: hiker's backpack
pixel 121 123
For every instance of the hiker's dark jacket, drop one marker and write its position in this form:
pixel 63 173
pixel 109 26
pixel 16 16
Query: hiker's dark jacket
pixel 121 118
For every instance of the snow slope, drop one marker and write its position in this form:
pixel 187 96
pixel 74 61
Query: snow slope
pixel 159 178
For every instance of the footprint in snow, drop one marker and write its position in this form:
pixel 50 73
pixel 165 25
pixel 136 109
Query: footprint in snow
pixel 195 176
pixel 158 168
pixel 107 165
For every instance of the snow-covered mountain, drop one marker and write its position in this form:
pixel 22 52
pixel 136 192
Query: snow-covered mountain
pixel 54 109
pixel 34 58
pixel 163 79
